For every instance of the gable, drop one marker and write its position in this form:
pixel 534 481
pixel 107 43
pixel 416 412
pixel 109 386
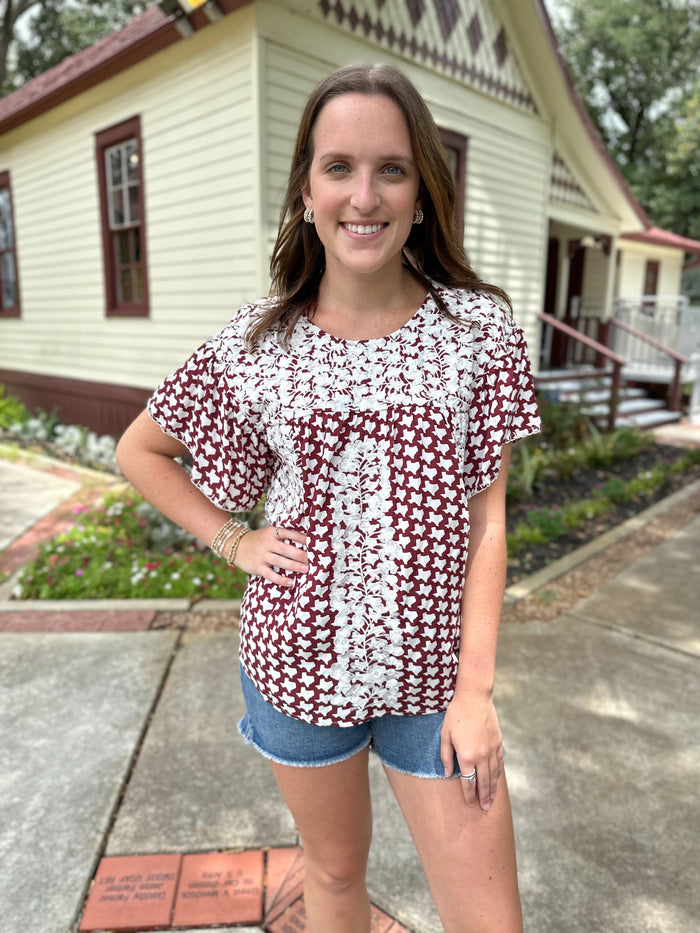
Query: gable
pixel 463 39
pixel 565 189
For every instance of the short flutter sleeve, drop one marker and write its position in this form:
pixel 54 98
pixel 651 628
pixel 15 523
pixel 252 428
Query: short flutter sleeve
pixel 503 406
pixel 201 406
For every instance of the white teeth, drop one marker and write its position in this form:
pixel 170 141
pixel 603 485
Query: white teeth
pixel 361 228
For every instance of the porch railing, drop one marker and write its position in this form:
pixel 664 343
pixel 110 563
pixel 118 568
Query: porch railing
pixel 663 352
pixel 601 353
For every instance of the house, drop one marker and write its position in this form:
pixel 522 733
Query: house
pixel 140 180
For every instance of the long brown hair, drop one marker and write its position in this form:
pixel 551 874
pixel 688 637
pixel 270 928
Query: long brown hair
pixel 433 250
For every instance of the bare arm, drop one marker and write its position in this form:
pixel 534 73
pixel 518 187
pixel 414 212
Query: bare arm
pixel 146 457
pixel 471 726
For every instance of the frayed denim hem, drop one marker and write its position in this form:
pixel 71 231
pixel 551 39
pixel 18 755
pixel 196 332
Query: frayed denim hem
pixel 433 777
pixel 246 730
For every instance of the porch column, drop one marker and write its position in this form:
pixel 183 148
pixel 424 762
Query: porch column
pixel 610 283
pixel 562 278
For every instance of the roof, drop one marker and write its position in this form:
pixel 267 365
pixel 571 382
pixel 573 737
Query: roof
pixel 655 236
pixel 138 40
pixel 145 35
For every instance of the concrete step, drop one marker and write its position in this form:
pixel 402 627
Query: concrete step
pixel 650 419
pixel 628 406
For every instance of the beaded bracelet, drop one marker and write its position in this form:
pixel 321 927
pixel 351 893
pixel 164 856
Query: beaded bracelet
pixel 234 547
pixel 222 537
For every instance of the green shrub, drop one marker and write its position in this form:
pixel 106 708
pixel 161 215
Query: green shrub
pixel 12 411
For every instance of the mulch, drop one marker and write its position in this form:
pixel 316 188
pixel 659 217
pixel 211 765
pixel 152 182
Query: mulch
pixel 580 486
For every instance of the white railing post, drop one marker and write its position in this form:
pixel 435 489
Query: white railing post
pixel 694 413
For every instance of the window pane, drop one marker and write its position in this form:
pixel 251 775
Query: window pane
pixel 136 244
pixel 134 209
pixel 132 161
pixel 116 208
pixel 138 283
pixel 124 286
pixel 123 257
pixel 6 239
pixel 9 282
pixel 114 166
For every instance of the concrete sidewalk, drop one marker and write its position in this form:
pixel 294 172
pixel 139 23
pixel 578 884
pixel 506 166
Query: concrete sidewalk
pixel 125 744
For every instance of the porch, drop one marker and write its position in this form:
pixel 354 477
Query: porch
pixel 631 368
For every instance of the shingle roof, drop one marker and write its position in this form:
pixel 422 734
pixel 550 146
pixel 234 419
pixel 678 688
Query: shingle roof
pixel 151 30
pixel 658 237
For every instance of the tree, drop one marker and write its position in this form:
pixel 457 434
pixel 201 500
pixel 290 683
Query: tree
pixel 57 29
pixel 636 64
pixel 12 11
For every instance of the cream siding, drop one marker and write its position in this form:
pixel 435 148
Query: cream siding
pixel 198 125
pixel 633 259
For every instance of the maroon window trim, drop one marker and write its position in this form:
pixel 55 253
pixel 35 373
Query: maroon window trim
pixel 10 303
pixel 456 147
pixel 123 243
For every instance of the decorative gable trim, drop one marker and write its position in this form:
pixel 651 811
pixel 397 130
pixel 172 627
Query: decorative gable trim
pixel 461 37
pixel 564 189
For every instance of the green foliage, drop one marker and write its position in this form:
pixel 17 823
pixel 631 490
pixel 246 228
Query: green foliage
pixel 59 28
pixel 541 525
pixel 636 63
pixel 12 411
pixel 124 548
pixel 563 423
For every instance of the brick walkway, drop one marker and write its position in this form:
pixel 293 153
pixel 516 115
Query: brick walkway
pixel 256 886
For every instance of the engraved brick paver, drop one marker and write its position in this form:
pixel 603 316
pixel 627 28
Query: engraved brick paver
pixel 284 881
pixel 146 892
pixel 220 887
pixel 132 893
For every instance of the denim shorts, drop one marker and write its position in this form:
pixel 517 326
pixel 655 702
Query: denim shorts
pixel 409 744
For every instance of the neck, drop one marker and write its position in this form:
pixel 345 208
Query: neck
pixel 359 295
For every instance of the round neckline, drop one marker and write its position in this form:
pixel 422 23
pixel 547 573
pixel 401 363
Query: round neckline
pixel 408 325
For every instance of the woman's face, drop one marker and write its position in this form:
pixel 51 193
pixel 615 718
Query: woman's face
pixel 362 184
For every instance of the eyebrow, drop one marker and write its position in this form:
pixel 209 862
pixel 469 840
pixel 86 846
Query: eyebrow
pixel 343 156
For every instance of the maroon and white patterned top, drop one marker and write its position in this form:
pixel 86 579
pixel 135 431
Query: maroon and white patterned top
pixel 371 448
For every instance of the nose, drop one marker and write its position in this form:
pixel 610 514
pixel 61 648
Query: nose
pixel 365 197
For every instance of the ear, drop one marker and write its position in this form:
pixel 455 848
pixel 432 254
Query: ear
pixel 306 194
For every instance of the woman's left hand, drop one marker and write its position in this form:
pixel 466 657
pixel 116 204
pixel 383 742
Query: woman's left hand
pixel 471 731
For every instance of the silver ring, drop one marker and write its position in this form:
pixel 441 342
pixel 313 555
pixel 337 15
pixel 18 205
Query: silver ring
pixel 277 531
pixel 469 777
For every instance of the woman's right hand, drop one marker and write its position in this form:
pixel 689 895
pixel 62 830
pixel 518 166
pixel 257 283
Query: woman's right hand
pixel 267 548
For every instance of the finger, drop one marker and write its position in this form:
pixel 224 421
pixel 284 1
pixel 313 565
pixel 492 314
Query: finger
pixel 447 755
pixel 468 778
pixel 279 578
pixel 287 563
pixel 485 785
pixel 288 534
pixel 291 553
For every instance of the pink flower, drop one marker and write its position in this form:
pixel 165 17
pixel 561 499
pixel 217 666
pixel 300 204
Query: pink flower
pixel 79 572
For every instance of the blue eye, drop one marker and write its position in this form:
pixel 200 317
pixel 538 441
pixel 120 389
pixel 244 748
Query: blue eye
pixel 394 170
pixel 337 169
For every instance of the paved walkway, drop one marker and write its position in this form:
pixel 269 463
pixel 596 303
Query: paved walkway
pixel 122 776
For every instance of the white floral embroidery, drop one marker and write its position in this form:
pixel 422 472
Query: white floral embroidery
pixel 368 641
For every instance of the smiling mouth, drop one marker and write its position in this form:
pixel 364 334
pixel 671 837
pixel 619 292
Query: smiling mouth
pixel 364 228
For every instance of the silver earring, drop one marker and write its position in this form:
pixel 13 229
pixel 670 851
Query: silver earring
pixel 418 216
pixel 309 215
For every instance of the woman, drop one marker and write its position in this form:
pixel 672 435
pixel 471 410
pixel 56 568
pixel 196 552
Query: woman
pixel 374 398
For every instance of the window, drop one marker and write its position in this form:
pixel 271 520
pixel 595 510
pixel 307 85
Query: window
pixel 651 277
pixel 120 175
pixel 9 283
pixel 456 148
